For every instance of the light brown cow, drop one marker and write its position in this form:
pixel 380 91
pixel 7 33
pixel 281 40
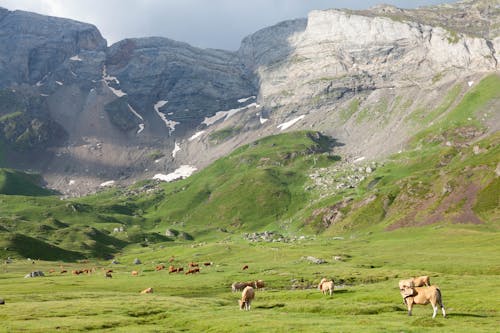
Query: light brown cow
pixel 415 282
pixel 147 291
pixel 325 286
pixel 237 286
pixel 135 273
pixel 247 297
pixel 423 295
pixel 172 269
pixel 193 271
pixel 259 284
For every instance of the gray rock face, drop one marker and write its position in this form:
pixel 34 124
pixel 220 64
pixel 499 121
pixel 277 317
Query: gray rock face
pixel 35 45
pixel 195 82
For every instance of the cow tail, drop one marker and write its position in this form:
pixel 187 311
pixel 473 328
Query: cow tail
pixel 439 298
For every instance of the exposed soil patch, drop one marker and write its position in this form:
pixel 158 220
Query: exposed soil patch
pixel 455 208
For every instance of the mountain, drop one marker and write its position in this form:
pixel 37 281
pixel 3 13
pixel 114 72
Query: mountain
pixel 88 116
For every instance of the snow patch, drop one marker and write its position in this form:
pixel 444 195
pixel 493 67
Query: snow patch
pixel 226 114
pixel 470 83
pixel 108 183
pixel 359 159
pixel 39 84
pixel 196 135
pixel 44 95
pixel 71 182
pixel 290 123
pixel 59 83
pixel 135 112
pixel 117 92
pixel 182 172
pixel 76 58
pixel 141 128
pixel 243 100
pixel 169 123
pixel 177 148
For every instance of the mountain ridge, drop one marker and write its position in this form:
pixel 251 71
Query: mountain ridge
pixel 353 75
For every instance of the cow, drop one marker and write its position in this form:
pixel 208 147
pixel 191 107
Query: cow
pixel 108 275
pixel 159 267
pixel 193 270
pixel 247 296
pixel 244 267
pixel 208 263
pixel 259 284
pixel 172 269
pixel 415 282
pixel 63 271
pixel 423 295
pixel 325 286
pixel 52 270
pixel 135 273
pixel 193 264
pixel 237 286
pixel 180 269
pixel 147 291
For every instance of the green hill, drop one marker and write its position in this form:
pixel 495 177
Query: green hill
pixel 14 182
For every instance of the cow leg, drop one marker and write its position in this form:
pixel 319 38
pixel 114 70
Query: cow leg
pixel 443 310
pixel 435 308
pixel 409 304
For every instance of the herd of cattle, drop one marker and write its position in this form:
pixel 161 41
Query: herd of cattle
pixel 416 290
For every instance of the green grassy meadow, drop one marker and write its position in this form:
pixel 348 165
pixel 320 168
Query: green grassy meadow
pixel 462 260
pixel 432 209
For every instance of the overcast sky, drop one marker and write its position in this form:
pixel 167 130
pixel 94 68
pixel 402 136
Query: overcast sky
pixel 203 23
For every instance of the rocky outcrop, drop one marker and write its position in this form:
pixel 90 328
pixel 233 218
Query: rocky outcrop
pixel 33 46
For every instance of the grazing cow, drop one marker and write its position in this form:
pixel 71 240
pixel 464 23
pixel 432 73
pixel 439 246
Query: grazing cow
pixel 415 282
pixel 326 286
pixel 108 275
pixel 147 291
pixel 208 263
pixel 259 284
pixel 52 270
pixel 76 272
pixel 423 295
pixel 193 271
pixel 237 286
pixel 244 267
pixel 180 269
pixel 64 271
pixel 171 259
pixel 159 267
pixel 172 269
pixel 421 281
pixel 135 273
pixel 247 296
pixel 193 264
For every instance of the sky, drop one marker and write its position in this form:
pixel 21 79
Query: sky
pixel 203 23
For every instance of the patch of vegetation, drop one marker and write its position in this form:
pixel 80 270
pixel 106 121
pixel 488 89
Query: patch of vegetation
pixel 346 114
pixel 14 182
pixel 224 134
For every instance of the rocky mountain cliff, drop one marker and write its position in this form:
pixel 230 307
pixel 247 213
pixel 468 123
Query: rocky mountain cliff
pixel 88 116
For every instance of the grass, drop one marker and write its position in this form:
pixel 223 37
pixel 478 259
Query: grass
pixel 462 261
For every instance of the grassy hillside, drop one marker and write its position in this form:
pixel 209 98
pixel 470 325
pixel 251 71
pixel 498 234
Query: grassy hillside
pixel 13 182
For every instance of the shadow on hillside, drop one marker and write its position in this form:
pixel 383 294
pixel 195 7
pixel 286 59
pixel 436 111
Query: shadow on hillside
pixel 455 314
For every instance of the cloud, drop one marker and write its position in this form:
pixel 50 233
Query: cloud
pixel 215 23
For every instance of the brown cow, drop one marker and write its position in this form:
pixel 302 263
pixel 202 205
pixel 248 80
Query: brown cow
pixel 135 273
pixel 108 275
pixel 180 269
pixel 147 291
pixel 237 286
pixel 244 267
pixel 64 271
pixel 159 267
pixel 193 264
pixel 259 284
pixel 172 269
pixel 423 295
pixel 247 296
pixel 208 263
pixel 325 286
pixel 193 270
